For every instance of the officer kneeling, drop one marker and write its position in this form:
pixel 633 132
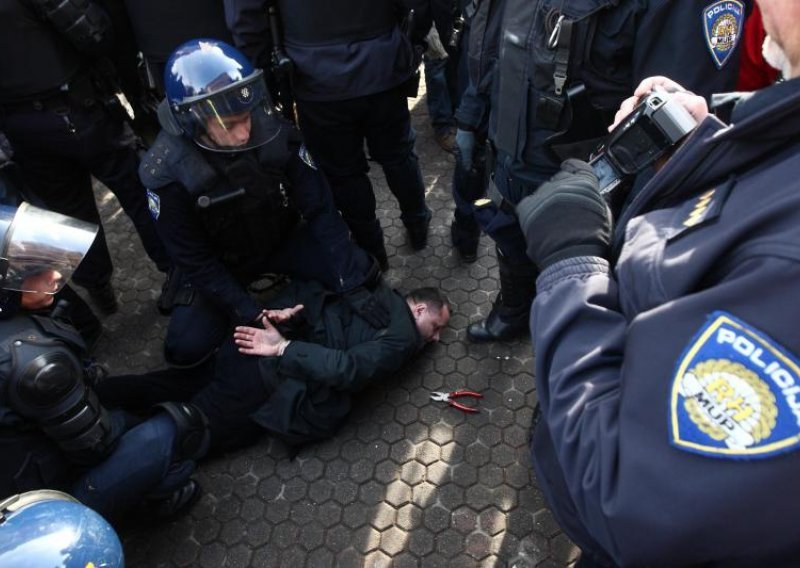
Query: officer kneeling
pixel 227 182
pixel 54 433
pixel 667 350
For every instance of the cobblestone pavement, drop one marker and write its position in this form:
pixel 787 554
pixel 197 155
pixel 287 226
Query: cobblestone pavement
pixel 407 482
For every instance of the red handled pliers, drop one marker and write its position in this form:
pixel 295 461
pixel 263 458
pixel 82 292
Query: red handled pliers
pixel 449 398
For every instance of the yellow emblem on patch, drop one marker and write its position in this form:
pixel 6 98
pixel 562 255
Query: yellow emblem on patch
pixel 735 393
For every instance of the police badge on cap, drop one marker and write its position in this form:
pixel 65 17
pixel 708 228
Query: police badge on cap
pixel 722 24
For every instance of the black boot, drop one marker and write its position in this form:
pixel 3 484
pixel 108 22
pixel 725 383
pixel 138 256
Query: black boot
pixel 418 231
pixel 509 316
pixel 104 298
pixel 178 503
pixel 369 236
pixel 465 236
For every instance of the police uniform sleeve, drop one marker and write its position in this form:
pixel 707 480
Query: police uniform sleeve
pixel 347 369
pixel 614 428
pixel 311 194
pixel 188 246
pixel 249 24
pixel 706 35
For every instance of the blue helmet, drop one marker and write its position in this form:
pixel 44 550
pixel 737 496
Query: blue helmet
pixel 50 528
pixel 217 98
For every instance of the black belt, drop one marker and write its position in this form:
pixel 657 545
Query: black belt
pixel 78 92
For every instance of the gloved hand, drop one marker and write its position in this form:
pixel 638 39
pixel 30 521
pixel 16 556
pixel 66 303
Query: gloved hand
pixel 465 140
pixel 566 217
pixel 367 305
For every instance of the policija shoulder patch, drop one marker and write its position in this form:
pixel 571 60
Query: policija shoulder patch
pixel 723 23
pixel 735 393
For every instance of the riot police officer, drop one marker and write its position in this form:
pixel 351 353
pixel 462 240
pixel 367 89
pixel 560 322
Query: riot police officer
pixel 58 111
pixel 227 182
pixel 564 68
pixel 352 70
pixel 53 431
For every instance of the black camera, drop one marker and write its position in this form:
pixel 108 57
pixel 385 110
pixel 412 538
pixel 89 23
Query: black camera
pixel 654 126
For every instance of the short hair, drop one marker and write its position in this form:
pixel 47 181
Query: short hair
pixel 431 297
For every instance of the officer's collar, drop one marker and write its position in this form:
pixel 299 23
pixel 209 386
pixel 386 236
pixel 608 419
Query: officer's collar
pixel 771 113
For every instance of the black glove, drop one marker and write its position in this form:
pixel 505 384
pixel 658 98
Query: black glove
pixel 566 217
pixel 364 303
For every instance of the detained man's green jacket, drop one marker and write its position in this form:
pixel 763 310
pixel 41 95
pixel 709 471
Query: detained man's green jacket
pixel 334 353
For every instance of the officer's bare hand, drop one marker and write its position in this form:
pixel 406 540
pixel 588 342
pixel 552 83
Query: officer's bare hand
pixel 255 341
pixel 280 316
pixel 696 105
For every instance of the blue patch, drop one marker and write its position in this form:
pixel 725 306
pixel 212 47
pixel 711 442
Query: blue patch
pixel 153 204
pixel 306 157
pixel 735 393
pixel 723 24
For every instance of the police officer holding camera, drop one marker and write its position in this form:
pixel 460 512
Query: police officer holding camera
pixel 666 346
pixel 564 68
pixel 228 181
pixel 60 113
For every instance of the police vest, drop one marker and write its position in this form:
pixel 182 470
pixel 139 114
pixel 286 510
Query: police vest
pixel 544 48
pixel 241 198
pixel 315 22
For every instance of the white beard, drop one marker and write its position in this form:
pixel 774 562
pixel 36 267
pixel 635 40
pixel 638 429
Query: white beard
pixel 775 57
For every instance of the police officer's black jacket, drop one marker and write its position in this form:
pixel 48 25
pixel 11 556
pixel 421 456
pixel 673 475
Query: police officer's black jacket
pixel 334 354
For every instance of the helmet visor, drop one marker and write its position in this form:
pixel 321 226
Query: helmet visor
pixel 42 249
pixel 238 117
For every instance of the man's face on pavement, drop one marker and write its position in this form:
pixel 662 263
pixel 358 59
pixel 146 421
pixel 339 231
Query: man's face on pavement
pixel 229 131
pixel 429 321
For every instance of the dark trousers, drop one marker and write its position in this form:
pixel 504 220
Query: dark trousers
pixel 58 149
pixel 335 132
pixel 227 388
pixel 141 465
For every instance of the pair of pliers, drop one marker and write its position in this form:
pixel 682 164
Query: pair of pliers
pixel 449 398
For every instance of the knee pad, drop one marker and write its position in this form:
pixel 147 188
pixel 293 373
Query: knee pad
pixel 192 434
